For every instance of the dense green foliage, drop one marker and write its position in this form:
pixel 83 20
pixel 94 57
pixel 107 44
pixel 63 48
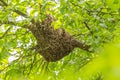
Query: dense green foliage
pixel 95 22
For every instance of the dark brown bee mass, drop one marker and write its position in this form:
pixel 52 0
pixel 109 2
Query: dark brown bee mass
pixel 53 44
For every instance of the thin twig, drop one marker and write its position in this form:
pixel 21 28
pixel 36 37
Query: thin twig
pixel 86 25
pixel 82 8
pixel 5 33
pixel 32 63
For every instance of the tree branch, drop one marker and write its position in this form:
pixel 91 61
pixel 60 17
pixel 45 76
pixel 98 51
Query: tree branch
pixel 4 3
pixel 15 24
pixel 81 45
pixel 7 22
pixel 21 13
pixel 17 11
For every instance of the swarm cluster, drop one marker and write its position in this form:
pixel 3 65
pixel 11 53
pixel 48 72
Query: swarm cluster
pixel 53 44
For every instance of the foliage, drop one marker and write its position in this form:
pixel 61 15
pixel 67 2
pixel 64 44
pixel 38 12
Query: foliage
pixel 94 22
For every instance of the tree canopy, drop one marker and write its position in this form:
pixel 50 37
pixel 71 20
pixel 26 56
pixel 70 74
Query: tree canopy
pixel 59 39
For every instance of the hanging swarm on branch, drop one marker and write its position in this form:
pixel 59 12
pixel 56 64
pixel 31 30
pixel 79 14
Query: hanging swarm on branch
pixel 53 44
